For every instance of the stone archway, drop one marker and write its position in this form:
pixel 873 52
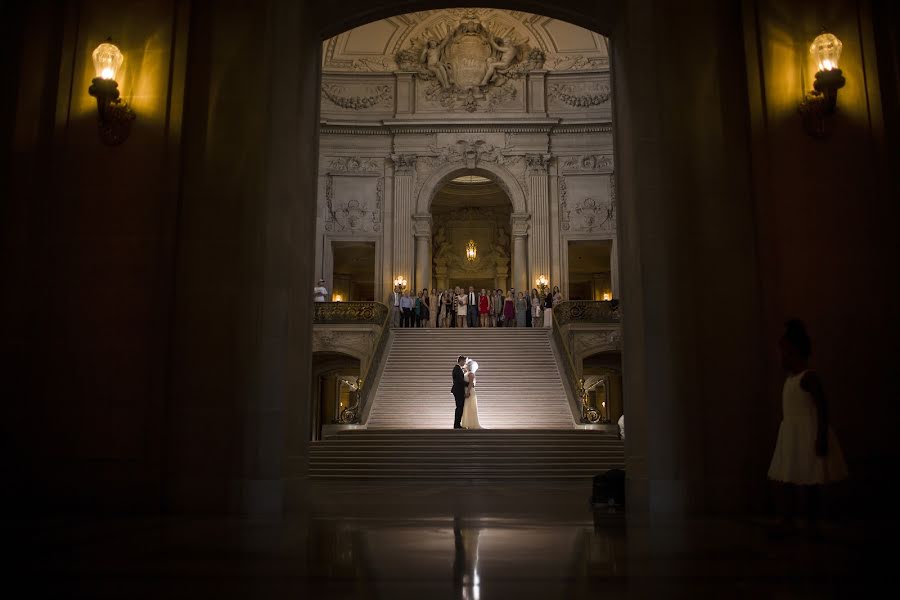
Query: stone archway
pixel 470 156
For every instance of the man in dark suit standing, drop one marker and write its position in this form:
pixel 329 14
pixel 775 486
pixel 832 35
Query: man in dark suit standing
pixel 459 390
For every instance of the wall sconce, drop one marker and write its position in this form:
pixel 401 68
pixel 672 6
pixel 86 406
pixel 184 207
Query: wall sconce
pixel 401 283
pixel 115 116
pixel 542 284
pixel 820 103
pixel 337 298
pixel 471 251
pixel 607 296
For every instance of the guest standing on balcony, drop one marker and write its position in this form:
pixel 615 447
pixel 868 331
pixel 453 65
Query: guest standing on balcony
pixel 509 309
pixel 433 310
pixel 461 308
pixel 521 310
pixel 417 310
pixel 484 308
pixel 447 317
pixel 528 310
pixel 557 296
pixel 393 303
pixel 406 307
pixel 498 306
pixel 320 293
pixel 536 309
pixel 472 308
pixel 547 315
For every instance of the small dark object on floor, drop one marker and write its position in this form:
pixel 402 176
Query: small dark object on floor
pixel 609 488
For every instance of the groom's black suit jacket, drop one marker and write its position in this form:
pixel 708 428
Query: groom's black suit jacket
pixel 459 382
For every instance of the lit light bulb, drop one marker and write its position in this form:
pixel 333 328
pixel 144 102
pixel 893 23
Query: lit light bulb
pixel 827 50
pixel 107 60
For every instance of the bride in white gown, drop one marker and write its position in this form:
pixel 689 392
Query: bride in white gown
pixel 470 408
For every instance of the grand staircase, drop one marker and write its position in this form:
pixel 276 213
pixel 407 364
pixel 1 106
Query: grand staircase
pixel 518 383
pixel 529 430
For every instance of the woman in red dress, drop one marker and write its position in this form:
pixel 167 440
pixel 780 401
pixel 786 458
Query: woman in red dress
pixel 509 309
pixel 484 307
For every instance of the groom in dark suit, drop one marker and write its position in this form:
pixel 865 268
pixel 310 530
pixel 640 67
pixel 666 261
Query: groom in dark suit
pixel 459 390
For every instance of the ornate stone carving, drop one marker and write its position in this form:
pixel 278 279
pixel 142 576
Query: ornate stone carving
pixel 354 163
pixel 422 225
pixel 588 162
pixel 580 95
pixel 519 224
pixel 576 63
pixel 538 162
pixel 352 214
pixel 374 96
pixel 471 151
pixel 563 204
pixel 594 214
pixel 470 65
pixel 587 311
pixel 471 99
pixel 404 163
pixel 333 313
pixel 586 343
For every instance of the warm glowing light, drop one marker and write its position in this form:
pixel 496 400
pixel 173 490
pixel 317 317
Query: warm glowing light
pixel 607 296
pixel 400 281
pixel 826 48
pixel 107 60
pixel 542 281
pixel 471 250
pixel 338 298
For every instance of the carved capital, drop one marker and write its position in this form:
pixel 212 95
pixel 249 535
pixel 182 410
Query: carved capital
pixel 519 224
pixel 422 225
pixel 404 163
pixel 537 163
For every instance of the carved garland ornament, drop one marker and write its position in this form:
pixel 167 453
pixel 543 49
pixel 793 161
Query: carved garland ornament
pixel 568 94
pixel 379 95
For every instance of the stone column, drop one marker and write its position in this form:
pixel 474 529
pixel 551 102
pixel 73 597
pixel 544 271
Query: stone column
pixel 539 242
pixel 520 250
pixel 404 206
pixel 614 268
pixel 422 228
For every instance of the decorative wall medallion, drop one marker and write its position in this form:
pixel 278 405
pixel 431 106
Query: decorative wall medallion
pixel 354 163
pixel 563 204
pixel 594 214
pixel 580 95
pixel 374 96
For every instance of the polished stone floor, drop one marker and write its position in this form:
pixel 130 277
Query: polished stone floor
pixel 433 541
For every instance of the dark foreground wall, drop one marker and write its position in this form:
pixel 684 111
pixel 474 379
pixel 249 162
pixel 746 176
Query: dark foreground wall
pixel 155 324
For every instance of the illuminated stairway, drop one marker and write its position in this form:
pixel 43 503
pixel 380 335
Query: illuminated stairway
pixel 519 385
pixel 452 455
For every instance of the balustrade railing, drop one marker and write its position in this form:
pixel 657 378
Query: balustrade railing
pixel 357 313
pixel 581 311
pixel 587 311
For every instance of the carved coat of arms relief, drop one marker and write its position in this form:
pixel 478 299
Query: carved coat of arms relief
pixel 469 66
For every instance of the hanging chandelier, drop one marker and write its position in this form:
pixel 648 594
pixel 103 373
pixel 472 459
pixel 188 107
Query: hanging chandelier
pixel 471 251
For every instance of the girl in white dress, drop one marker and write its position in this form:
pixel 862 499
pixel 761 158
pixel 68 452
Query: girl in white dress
pixel 807 452
pixel 470 408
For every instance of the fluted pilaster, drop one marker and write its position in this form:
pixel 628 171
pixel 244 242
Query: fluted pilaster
pixel 404 206
pixel 539 241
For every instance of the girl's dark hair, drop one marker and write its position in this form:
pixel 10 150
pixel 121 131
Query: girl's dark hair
pixel 795 334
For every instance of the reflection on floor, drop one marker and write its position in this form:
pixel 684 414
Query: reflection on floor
pixel 394 540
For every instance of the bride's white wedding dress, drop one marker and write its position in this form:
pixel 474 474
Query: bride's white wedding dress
pixel 470 408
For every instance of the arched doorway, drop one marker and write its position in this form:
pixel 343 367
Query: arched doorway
pixel 471 243
pixel 334 376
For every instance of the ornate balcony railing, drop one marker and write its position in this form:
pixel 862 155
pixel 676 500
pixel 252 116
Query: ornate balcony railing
pixel 357 313
pixel 354 313
pixel 581 311
pixel 587 311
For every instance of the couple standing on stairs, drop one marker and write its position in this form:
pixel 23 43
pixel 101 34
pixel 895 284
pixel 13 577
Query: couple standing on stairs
pixel 463 391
